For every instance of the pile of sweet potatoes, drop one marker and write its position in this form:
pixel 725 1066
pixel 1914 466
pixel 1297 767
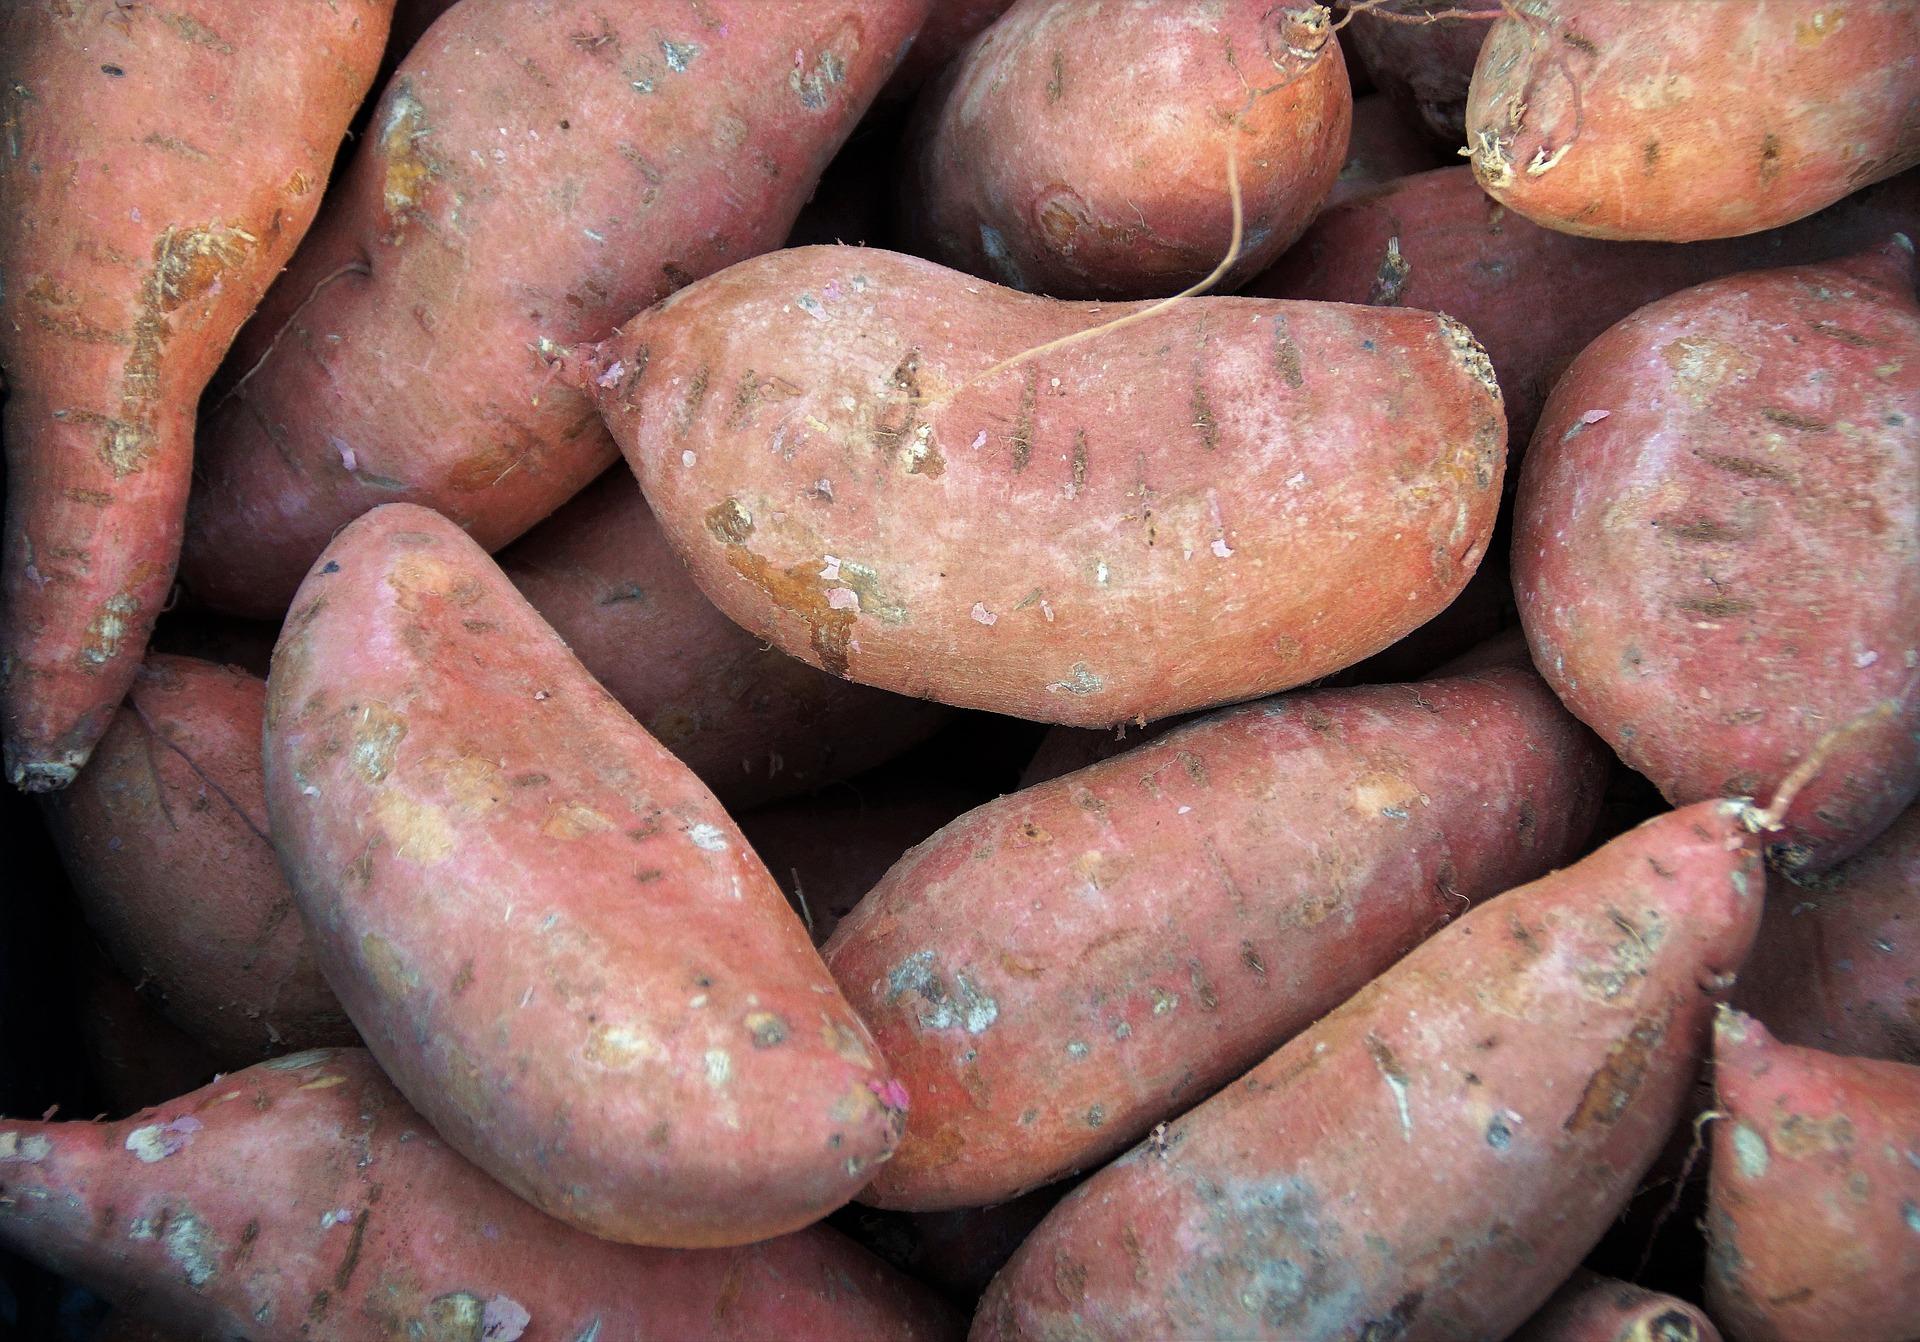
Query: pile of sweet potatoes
pixel 918 669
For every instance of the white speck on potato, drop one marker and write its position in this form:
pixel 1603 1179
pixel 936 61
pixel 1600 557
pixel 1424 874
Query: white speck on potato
pixel 593 236
pixel 30 1149
pixel 1183 810
pixel 1863 660
pixel 157 1141
pixel 843 598
pixel 1297 479
pixel 1594 416
pixel 832 568
pixel 1047 611
pixel 503 1320
pixel 339 1216
pixel 687 459
pixel 1221 549
pixel 719 1064
pixel 1750 1151
pixel 708 837
pixel 982 615
pixel 979 440
pixel 192 1246
pixel 611 378
pixel 697 1001
pixel 1100 572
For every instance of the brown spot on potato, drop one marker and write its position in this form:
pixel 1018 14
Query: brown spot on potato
pixel 1715 607
pixel 1793 420
pixel 1021 439
pixel 1769 158
pixel 409 168
pixel 1650 157
pixel 1617 1080
pixel 1286 354
pixel 1057 84
pixel 377 734
pixel 729 522
pixel 1745 467
pixel 799 591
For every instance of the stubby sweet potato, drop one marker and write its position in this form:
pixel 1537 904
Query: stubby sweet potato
pixel 1222 500
pixel 1430 1161
pixel 534 175
pixel 303 1199
pixel 1593 1308
pixel 1421 55
pixel 1717 543
pixel 1676 122
pixel 1813 1212
pixel 1080 148
pixel 752 722
pixel 164 837
pixel 1382 147
pixel 546 929
pixel 161 161
pixel 1057 971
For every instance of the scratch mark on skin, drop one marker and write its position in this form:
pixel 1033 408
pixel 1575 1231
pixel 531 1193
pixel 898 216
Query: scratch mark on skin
pixel 1395 1078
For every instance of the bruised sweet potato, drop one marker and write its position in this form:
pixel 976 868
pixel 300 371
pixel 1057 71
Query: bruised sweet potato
pixel 1225 499
pixel 1430 1161
pixel 303 1199
pixel 1057 971
pixel 161 161
pixel 534 175
pixel 1717 543
pixel 1080 148
pixel 1676 122
pixel 1593 1308
pixel 546 929
pixel 1421 55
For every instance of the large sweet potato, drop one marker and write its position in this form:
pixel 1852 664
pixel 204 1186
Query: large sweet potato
pixel 1421 55
pixel 160 163
pixel 1222 500
pixel 546 929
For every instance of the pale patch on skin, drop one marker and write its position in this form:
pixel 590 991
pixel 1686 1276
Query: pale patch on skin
pixel 1750 1150
pixel 192 1246
pixel 156 1141
pixel 418 831
pixel 295 1062
pixel 708 837
pixel 620 1047
pixel 31 1149
pixel 719 1067
pixel 109 628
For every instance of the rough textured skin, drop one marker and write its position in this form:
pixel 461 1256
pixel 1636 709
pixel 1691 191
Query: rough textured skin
pixel 164 837
pixel 1222 500
pixel 535 174
pixel 752 722
pixel 302 1199
pixel 1813 1210
pixel 1676 122
pixel 1426 67
pixel 1057 971
pixel 1837 963
pixel 1383 147
pixel 1079 148
pixel 1429 1162
pixel 546 929
pixel 950 25
pixel 1726 567
pixel 159 163
pixel 1536 298
pixel 1593 1308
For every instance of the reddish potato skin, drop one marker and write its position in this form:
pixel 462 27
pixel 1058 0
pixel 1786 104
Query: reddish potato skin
pixel 1621 119
pixel 1837 963
pixel 1382 148
pixel 1425 67
pixel 1079 148
pixel 164 837
pixel 1812 1204
pixel 602 197
pixel 506 878
pixel 1727 566
pixel 302 1198
pixel 1593 1308
pixel 1432 1159
pixel 1096 535
pixel 161 163
pixel 753 723
pixel 1058 970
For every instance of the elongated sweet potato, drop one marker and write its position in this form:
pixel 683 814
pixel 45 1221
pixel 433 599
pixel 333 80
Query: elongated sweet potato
pixel 535 175
pixel 546 929
pixel 1813 1213
pixel 1421 55
pixel 827 445
pixel 1079 148
pixel 1593 1308
pixel 164 837
pixel 1057 971
pixel 1672 123
pixel 1717 543
pixel 1430 1161
pixel 752 722
pixel 303 1199
pixel 161 161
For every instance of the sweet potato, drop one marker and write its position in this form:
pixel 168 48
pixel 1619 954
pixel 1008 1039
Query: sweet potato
pixel 1080 148
pixel 1593 1308
pixel 1065 749
pixel 752 722
pixel 1431 1160
pixel 546 929
pixel 161 162
pixel 1381 148
pixel 1813 1212
pixel 303 1199
pixel 1057 971
pixel 164 837
pixel 535 175
pixel 1717 543
pixel 135 1056
pixel 1421 55
pixel 1673 123
pixel 1222 500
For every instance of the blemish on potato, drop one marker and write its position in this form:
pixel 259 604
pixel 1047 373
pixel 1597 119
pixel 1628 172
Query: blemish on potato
pixel 409 169
pixel 109 628
pixel 377 733
pixel 156 1141
pixel 620 1047
pixel 30 1149
pixel 1617 1080
pixel 1750 1151
pixel 729 522
pixel 418 831
pixel 959 1004
pixel 388 968
pixel 192 1247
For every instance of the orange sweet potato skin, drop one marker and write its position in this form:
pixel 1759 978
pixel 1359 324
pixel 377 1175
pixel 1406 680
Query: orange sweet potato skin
pixel 1665 123
pixel 753 723
pixel 1432 1159
pixel 1813 1211
pixel 164 837
pixel 1058 970
pixel 303 1199
pixel 1229 498
pixel 1079 148
pixel 1593 1308
pixel 1717 543
pixel 587 159
pixel 545 928
pixel 160 162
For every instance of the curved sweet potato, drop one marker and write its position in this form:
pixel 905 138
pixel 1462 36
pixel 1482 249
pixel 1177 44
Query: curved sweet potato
pixel 161 162
pixel 826 443
pixel 1593 1308
pixel 1421 55
pixel 1079 148
pixel 546 929
pixel 1717 543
